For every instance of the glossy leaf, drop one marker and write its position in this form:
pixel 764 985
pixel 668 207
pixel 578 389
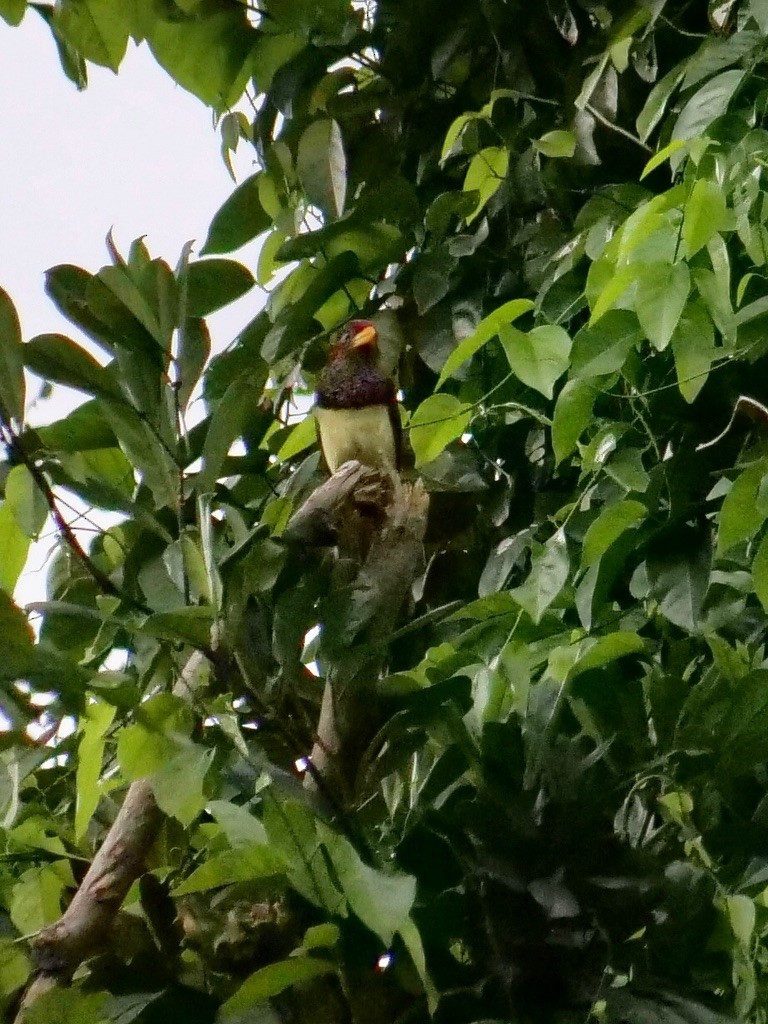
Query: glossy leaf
pixel 11 360
pixel 55 357
pixel 214 283
pixel 745 507
pixel 662 291
pixel 603 347
pixel 322 166
pixel 239 220
pixel 99 717
pixel 693 346
pixel 226 425
pixel 270 981
pixel 556 144
pixel 705 215
pixel 538 358
pixel 439 420
pixel 14 545
pixel 207 52
pixel 707 103
pixel 573 414
pixel 608 527
pixel 485 175
pixel 97 29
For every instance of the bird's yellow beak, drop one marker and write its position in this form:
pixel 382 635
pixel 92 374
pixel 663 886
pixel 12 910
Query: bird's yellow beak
pixel 367 336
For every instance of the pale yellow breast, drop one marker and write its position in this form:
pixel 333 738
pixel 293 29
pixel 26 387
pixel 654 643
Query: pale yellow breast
pixel 362 434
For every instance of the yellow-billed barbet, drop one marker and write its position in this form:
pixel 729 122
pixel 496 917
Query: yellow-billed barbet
pixel 356 404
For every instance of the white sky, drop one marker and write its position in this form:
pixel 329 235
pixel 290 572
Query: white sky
pixel 133 152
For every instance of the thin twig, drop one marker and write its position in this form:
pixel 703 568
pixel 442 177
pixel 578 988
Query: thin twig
pixel 617 128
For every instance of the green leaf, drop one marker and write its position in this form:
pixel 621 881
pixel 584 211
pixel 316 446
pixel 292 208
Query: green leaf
pixel 657 101
pixel 485 174
pixel 550 566
pixel 54 357
pixel 241 827
pixel 618 283
pixel 36 899
pixel 488 328
pixel 704 215
pixel 538 358
pixel 90 753
pixel 97 29
pixel 678 568
pixel 322 166
pixel 163 723
pixel 178 784
pixel 382 900
pixel 14 546
pixel 760 572
pixel 12 11
pixel 244 864
pixel 556 144
pixel 663 154
pixel 432 277
pixel 439 420
pixel 214 283
pixel 662 291
pixel 11 360
pixel 321 936
pixel 151 300
pixel 693 346
pixel 208 52
pixel 270 981
pixel 301 437
pixel 145 452
pixel 707 104
pixel 745 507
pixel 612 522
pixel 714 290
pixel 229 417
pixel 605 649
pixel 26 500
pixel 454 131
pixel 603 348
pixel 189 625
pixel 240 219
pixel 292 832
pixel 741 913
pixel 15 968
pixel 573 414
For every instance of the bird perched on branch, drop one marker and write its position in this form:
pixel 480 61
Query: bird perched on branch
pixel 356 404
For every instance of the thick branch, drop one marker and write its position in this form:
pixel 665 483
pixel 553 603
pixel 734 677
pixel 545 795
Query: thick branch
pixel 357 645
pixel 322 518
pixel 87 923
pixel 88 919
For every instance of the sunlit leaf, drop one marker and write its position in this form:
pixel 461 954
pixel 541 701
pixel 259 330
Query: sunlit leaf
pixel 705 215
pixel 662 291
pixel 486 173
pixel 538 358
pixel 439 420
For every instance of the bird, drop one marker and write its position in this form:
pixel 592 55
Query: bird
pixel 356 408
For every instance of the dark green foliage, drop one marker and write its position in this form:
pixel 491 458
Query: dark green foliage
pixel 556 215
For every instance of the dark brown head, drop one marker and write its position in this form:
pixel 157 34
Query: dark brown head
pixel 358 338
